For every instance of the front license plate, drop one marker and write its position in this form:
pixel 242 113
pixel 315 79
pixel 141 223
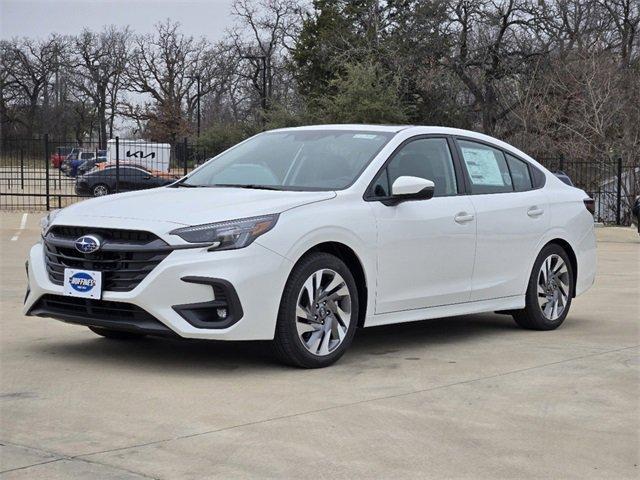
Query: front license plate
pixel 82 283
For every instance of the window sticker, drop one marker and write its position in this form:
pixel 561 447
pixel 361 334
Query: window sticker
pixel 483 167
pixel 367 136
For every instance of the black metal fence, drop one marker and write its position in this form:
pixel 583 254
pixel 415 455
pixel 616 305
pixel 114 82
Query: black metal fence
pixel 41 174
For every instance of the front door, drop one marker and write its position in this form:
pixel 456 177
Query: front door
pixel 426 248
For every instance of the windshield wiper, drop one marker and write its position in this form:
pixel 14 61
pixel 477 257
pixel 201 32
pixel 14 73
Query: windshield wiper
pixel 251 186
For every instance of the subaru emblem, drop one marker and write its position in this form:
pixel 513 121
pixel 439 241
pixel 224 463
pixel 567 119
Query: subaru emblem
pixel 88 244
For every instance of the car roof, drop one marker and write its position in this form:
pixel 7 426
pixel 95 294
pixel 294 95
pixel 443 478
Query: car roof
pixel 416 130
pixel 347 127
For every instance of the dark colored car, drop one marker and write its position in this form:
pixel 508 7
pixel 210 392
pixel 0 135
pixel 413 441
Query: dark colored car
pixel 564 178
pixel 60 155
pixel 102 182
pixel 90 164
pixel 81 159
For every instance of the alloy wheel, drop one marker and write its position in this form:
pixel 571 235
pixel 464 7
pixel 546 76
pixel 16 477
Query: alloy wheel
pixel 553 287
pixel 323 312
pixel 100 190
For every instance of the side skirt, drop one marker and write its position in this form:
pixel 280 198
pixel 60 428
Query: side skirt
pixel 481 306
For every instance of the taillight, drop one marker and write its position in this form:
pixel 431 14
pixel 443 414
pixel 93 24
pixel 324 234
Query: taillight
pixel 590 204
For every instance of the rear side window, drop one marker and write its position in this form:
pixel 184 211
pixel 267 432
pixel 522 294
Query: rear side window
pixel 487 168
pixel 539 178
pixel 519 174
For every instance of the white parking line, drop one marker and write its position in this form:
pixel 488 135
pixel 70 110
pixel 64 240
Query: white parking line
pixel 23 223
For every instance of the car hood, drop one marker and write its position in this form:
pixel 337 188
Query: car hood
pixel 187 206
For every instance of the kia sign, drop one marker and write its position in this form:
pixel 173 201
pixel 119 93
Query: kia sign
pixel 153 156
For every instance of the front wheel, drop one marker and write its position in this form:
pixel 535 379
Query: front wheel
pixel 549 292
pixel 318 313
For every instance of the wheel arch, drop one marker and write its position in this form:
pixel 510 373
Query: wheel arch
pixel 351 259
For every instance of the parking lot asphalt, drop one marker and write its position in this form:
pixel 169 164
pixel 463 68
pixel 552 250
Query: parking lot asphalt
pixel 465 397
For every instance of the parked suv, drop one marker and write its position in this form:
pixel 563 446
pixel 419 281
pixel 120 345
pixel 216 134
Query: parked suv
pixel 299 236
pixel 91 163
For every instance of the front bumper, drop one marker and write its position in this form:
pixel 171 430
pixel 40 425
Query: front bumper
pixel 82 188
pixel 256 274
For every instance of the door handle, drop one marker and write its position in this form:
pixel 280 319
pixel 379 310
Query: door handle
pixel 463 217
pixel 535 211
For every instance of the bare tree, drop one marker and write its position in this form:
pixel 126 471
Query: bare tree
pixel 29 67
pixel 97 65
pixel 262 37
pixel 166 67
pixel 625 17
pixel 492 45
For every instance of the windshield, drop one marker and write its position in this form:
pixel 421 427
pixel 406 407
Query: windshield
pixel 294 160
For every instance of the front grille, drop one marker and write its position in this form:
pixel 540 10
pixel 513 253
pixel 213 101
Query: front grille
pixel 135 236
pixel 125 259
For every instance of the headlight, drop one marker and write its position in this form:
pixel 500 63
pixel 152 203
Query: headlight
pixel 46 221
pixel 228 235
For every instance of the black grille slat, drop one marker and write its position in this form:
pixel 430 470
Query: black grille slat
pixel 106 261
pixel 100 313
pixel 122 270
pixel 134 236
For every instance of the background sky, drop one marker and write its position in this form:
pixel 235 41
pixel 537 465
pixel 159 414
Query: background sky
pixel 39 18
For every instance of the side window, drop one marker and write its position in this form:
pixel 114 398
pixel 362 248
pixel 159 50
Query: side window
pixel 427 158
pixel 519 174
pixel 380 187
pixel 132 172
pixel 539 178
pixel 487 168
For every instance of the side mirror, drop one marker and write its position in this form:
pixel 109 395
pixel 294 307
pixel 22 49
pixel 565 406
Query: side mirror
pixel 411 188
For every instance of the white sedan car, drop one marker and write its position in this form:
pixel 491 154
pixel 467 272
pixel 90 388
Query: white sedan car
pixel 301 235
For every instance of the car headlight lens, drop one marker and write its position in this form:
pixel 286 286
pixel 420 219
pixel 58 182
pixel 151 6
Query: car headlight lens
pixel 228 235
pixel 46 221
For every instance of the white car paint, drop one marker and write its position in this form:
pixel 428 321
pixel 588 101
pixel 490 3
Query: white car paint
pixel 421 259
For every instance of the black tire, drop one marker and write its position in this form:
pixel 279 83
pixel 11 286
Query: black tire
pixel 532 316
pixel 287 345
pixel 98 189
pixel 116 334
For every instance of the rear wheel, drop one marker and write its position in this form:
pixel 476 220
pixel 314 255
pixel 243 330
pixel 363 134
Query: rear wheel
pixel 100 189
pixel 318 313
pixel 116 334
pixel 549 292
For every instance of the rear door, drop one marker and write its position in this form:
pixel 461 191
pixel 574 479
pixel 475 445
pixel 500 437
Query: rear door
pixel 511 218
